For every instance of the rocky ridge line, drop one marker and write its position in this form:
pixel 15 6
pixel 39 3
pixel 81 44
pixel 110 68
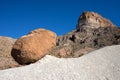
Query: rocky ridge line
pixel 93 20
pixel 92 32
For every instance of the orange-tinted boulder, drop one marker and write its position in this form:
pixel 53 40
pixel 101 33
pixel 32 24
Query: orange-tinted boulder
pixel 33 46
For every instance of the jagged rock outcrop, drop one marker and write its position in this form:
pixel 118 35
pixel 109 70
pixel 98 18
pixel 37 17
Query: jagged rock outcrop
pixel 6 60
pixel 33 46
pixel 93 20
pixel 92 32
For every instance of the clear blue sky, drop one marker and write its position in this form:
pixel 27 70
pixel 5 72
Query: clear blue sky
pixel 18 17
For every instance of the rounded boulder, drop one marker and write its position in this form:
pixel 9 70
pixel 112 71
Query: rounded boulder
pixel 34 46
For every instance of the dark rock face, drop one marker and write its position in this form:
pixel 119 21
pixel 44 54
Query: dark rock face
pixel 89 36
pixel 6 60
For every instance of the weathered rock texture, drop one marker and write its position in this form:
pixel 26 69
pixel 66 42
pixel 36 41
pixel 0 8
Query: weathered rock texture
pixel 33 46
pixel 93 20
pixel 6 60
pixel 92 32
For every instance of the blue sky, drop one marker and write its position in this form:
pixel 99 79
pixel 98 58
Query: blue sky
pixel 18 17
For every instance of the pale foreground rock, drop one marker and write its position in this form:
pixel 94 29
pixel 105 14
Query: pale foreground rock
pixel 102 64
pixel 33 46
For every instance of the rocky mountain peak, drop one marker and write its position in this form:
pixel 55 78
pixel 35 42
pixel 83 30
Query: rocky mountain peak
pixel 92 32
pixel 93 20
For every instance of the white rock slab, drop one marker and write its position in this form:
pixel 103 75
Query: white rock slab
pixel 102 64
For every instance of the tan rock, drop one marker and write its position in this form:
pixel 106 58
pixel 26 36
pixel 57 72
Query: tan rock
pixel 65 52
pixel 83 51
pixel 33 46
pixel 6 60
pixel 94 20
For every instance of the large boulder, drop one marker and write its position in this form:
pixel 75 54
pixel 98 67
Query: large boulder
pixel 33 46
pixel 6 60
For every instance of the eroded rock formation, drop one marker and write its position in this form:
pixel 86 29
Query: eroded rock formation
pixel 92 32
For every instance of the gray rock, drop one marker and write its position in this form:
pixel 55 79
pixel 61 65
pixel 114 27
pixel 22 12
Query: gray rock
pixel 93 31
